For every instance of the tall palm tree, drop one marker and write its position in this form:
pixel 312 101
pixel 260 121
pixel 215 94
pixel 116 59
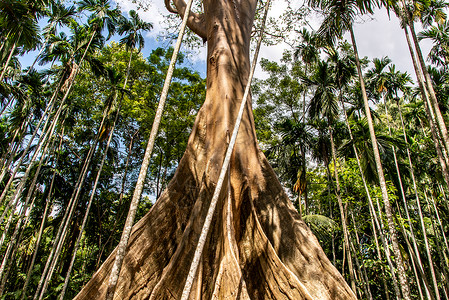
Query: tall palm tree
pixel 308 51
pixel 422 73
pixel 114 79
pixel 344 70
pixel 58 14
pixel 339 17
pixel 18 20
pixel 133 29
pixel 324 104
pixel 387 85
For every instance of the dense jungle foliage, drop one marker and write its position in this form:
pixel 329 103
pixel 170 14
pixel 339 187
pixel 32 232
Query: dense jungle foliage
pixel 74 126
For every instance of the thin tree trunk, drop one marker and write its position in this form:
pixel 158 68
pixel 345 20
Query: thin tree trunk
pixel 428 80
pixel 342 213
pixel 415 189
pixel 441 253
pixel 388 211
pixel 361 266
pixel 41 228
pixel 443 159
pixel 441 226
pixel 16 196
pixel 121 248
pixel 68 217
pixel 404 200
pixel 48 109
pixel 19 222
pixel 414 258
pixel 100 168
pixel 374 219
pixel 10 153
pixel 5 67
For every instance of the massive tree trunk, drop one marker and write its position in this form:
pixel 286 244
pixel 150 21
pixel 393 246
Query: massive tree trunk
pixel 257 245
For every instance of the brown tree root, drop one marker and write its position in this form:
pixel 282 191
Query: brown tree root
pixel 257 248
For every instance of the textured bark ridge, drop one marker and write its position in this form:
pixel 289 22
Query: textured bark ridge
pixel 257 247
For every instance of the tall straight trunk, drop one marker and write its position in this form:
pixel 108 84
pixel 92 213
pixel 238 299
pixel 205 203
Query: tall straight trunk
pixel 441 253
pixel 303 152
pixel 361 265
pixel 342 213
pixel 41 140
pixel 43 282
pixel 44 218
pixel 414 259
pixel 415 189
pixel 9 155
pixel 10 250
pixel 50 267
pixel 441 226
pixel 89 204
pixel 428 80
pixel 121 248
pixel 29 195
pixel 374 220
pixel 122 189
pixel 5 67
pixel 443 159
pixel 244 253
pixel 383 186
pixel 404 200
pixel 16 195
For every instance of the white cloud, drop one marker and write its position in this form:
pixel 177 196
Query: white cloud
pixel 377 36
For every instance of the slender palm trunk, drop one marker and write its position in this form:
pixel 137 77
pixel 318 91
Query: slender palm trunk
pixel 441 226
pixel 5 67
pixel 68 217
pixel 10 153
pixel 100 168
pixel 440 250
pixel 404 200
pixel 414 259
pixel 30 194
pixel 342 213
pixel 16 196
pixel 60 237
pixel 361 265
pixel 303 153
pixel 44 218
pixel 374 219
pixel 388 211
pixel 415 189
pixel 7 104
pixel 39 54
pixel 428 80
pixel 12 244
pixel 38 241
pixel 442 159
pixel 41 140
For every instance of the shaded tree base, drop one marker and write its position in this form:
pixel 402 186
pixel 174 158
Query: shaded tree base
pixel 257 248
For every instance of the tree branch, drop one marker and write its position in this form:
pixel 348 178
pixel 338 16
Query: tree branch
pixel 196 22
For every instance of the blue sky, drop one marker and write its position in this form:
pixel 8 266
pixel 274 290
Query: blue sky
pixel 377 36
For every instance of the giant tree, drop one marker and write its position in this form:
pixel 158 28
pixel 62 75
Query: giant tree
pixel 257 244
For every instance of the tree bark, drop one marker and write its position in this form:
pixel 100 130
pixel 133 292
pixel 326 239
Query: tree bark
pixel 257 245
